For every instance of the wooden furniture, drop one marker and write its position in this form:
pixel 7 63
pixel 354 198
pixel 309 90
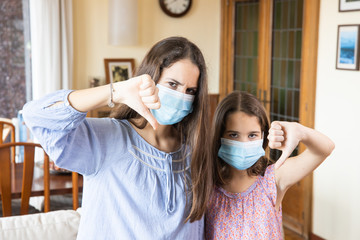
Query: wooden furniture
pixel 59 184
pixel 75 189
pixel 6 128
pixel 7 180
pixel 213 102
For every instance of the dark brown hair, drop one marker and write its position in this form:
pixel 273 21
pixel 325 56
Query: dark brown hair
pixel 194 127
pixel 234 102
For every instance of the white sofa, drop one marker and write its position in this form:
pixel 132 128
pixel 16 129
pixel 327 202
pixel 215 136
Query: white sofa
pixel 55 225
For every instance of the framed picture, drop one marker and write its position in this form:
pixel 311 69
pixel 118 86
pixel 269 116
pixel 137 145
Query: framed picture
pixel 118 69
pixel 347 56
pixel 349 5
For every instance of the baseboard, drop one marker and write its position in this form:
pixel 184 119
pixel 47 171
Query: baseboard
pixel 315 237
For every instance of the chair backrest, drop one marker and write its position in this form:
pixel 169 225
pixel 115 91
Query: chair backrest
pixel 75 190
pixel 6 127
pixel 27 178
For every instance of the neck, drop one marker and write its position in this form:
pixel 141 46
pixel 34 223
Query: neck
pixel 240 181
pixel 165 138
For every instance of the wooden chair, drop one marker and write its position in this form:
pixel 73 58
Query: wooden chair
pixel 75 190
pixel 28 170
pixel 7 127
pixel 62 201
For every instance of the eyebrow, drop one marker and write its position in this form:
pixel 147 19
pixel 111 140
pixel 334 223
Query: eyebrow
pixel 177 82
pixel 251 132
pixel 181 84
pixel 232 131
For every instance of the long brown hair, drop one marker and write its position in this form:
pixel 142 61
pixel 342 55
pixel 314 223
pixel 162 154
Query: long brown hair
pixel 234 102
pixel 193 128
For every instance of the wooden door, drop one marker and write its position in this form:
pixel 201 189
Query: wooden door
pixel 269 48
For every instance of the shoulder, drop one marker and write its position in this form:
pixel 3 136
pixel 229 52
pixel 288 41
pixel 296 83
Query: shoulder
pixel 214 205
pixel 269 175
pixel 270 172
pixel 268 182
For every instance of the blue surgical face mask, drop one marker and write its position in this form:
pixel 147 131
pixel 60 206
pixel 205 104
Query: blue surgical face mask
pixel 174 106
pixel 241 155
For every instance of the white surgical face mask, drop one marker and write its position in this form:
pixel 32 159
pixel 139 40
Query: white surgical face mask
pixel 174 106
pixel 241 155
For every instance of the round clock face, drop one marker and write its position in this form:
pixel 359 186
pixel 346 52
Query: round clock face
pixel 175 8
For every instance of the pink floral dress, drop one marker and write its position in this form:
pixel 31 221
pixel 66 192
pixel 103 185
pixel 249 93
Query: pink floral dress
pixel 247 215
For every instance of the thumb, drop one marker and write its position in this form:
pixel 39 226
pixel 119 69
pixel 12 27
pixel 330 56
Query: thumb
pixel 150 118
pixel 284 155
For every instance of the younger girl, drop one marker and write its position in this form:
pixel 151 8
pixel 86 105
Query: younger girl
pixel 246 203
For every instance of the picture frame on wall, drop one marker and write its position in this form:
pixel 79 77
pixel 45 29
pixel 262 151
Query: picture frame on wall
pixel 349 5
pixel 118 69
pixel 347 56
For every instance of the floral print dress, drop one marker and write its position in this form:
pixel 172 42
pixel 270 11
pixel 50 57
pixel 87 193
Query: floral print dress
pixel 247 215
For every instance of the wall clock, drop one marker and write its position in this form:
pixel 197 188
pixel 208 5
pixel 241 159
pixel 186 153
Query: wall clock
pixel 175 8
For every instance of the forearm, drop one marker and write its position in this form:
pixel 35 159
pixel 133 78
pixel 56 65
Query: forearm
pixel 318 148
pixel 316 142
pixel 88 99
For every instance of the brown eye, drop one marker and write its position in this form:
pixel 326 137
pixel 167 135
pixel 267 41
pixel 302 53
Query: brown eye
pixel 253 136
pixel 233 135
pixel 172 84
pixel 191 91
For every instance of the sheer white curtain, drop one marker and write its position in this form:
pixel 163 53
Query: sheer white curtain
pixel 51 52
pixel 51 46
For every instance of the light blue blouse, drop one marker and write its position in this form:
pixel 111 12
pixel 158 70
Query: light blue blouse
pixel 131 189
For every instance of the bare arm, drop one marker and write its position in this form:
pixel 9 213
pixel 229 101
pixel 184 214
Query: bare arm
pixel 91 98
pixel 286 136
pixel 65 133
pixel 139 93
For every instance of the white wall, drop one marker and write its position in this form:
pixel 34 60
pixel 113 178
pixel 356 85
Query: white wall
pixel 201 25
pixel 336 211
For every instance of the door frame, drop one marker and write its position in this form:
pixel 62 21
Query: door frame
pixel 308 74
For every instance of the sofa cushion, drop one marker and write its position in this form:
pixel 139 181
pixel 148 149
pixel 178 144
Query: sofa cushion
pixel 61 224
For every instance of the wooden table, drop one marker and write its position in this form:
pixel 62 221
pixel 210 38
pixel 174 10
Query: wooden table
pixel 59 183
